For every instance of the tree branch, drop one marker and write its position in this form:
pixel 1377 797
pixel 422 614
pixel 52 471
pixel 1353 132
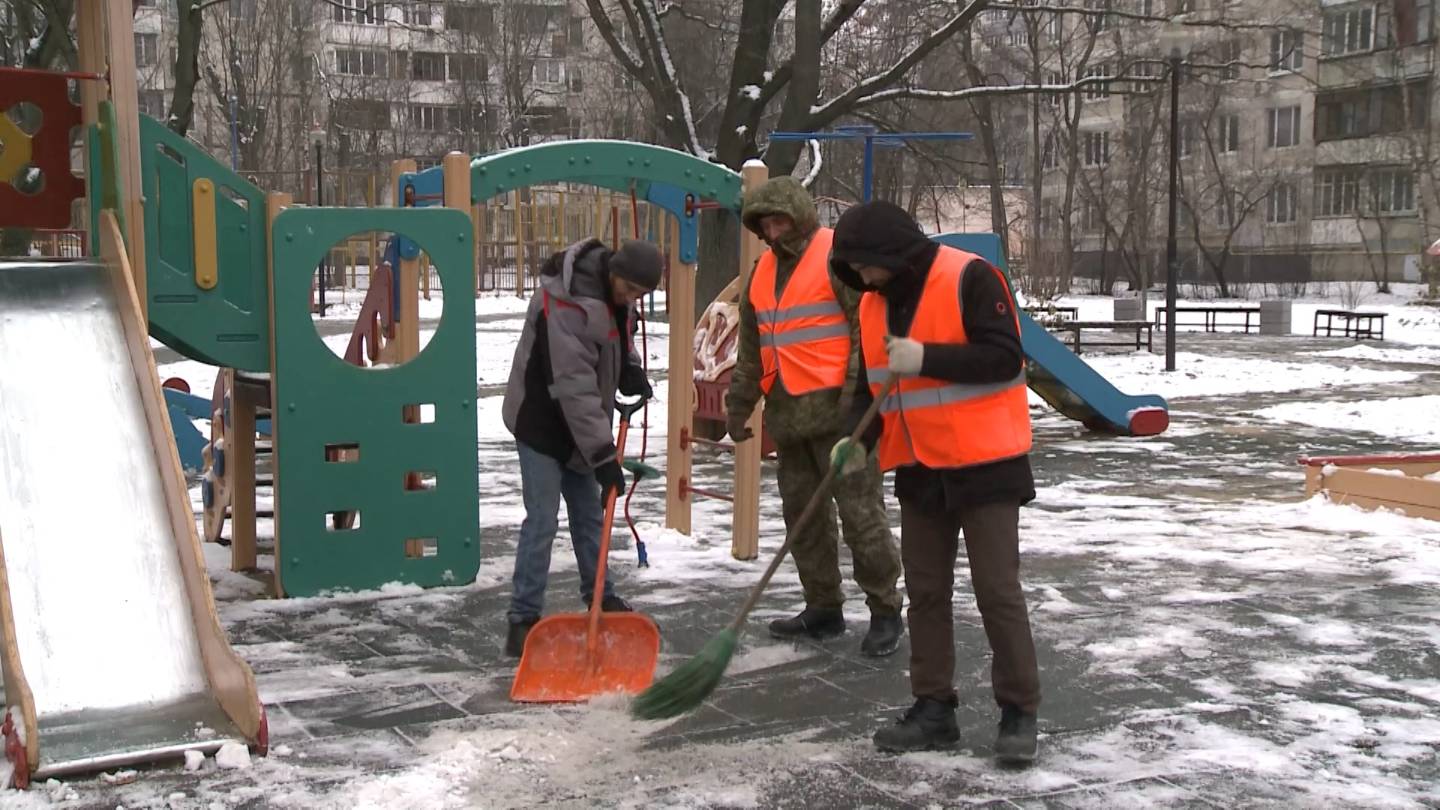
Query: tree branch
pixel 832 25
pixel 1002 90
pixel 847 101
pixel 628 60
pixel 1133 15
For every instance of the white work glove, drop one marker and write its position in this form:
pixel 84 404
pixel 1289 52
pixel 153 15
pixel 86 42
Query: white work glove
pixel 906 355
pixel 847 457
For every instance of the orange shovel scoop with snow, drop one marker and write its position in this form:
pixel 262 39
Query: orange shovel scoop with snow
pixel 572 657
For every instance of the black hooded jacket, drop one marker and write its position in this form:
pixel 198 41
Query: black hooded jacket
pixel 882 234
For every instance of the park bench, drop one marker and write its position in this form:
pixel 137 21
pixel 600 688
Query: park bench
pixel 1359 325
pixel 1210 317
pixel 1074 329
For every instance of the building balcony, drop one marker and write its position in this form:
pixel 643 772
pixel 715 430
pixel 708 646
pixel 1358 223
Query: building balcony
pixel 1397 148
pixel 1394 64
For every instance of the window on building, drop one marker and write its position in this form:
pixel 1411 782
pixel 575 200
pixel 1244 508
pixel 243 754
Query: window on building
pixel 1187 138
pixel 1337 191
pixel 548 71
pixel 1230 54
pixel 1091 217
pixel 362 114
pixel 472 19
pixel 576 83
pixel 548 120
pixel 1280 205
pixel 1182 6
pixel 1050 152
pixel 1098 22
pixel 357 12
pixel 1097 148
pixel 1147 8
pixel 360 62
pixel 620 80
pixel 422 15
pixel 1349 31
pixel 1362 112
pixel 1098 91
pixel 147 50
pixel 152 103
pixel 434 117
pixel 1228 137
pixel 576 34
pixel 1287 51
pixel 1225 209
pixel 1393 190
pixel 467 67
pixel 427 66
pixel 1053 99
pixel 1282 127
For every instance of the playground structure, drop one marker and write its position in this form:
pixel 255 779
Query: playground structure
pixel 1408 484
pixel 111 647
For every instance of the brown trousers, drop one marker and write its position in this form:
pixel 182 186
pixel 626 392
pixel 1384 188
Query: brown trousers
pixel 928 546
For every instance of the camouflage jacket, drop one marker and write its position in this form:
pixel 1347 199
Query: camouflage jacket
pixel 789 418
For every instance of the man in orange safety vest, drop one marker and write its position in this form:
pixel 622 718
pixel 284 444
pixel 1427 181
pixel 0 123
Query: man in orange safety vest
pixel 799 348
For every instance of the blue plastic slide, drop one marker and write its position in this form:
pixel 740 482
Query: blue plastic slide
pixel 1060 377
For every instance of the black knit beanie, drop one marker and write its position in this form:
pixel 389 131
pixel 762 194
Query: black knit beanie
pixel 639 263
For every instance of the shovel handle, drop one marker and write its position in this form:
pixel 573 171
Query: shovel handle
pixel 592 637
pixel 821 493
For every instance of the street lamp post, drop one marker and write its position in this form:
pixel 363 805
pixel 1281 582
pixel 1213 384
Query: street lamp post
pixel 317 137
pixel 1172 270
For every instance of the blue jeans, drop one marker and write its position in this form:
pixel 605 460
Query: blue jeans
pixel 543 480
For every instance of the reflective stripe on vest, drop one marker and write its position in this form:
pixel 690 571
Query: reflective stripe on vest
pixel 939 424
pixel 804 336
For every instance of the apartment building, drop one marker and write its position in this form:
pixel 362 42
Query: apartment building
pixel 1304 140
pixel 380 81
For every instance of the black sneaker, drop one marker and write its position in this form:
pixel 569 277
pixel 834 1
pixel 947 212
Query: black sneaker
pixel 1016 744
pixel 929 725
pixel 516 635
pixel 811 623
pixel 883 637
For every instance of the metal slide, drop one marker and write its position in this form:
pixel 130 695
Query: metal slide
pixel 1060 377
pixel 113 653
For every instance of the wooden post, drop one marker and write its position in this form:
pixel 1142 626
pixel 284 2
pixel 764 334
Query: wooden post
pixel 275 202
pixel 456 167
pixel 679 451
pixel 482 235
pixel 374 202
pixel 407 337
pixel 519 248
pixel 240 451
pixel 120 35
pixel 745 540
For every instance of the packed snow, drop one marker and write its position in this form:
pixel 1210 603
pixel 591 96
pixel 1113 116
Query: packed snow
pixel 1265 640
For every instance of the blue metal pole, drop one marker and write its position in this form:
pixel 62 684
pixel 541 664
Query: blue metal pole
pixel 868 183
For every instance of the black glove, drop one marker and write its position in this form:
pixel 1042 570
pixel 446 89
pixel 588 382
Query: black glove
pixel 738 428
pixel 610 476
pixel 634 384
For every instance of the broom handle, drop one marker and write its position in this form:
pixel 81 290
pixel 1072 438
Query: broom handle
pixel 821 493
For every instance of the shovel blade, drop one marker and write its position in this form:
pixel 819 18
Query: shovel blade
pixel 557 666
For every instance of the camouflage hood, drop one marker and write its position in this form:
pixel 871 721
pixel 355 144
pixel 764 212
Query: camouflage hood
pixel 781 195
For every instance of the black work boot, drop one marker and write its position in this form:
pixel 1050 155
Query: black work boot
pixel 814 623
pixel 515 637
pixel 614 604
pixel 929 725
pixel 883 637
pixel 1015 744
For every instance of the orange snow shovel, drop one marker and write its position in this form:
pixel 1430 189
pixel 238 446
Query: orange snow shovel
pixel 573 657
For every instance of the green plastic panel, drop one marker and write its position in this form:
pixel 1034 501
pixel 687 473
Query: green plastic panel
pixel 229 324
pixel 602 163
pixel 321 402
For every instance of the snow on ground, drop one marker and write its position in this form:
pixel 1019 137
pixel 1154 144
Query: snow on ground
pixel 1409 418
pixel 1248 645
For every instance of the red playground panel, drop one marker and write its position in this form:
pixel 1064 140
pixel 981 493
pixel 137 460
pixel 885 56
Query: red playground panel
pixel 46 151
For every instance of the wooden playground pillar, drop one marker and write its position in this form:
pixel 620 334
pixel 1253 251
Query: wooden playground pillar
pixel 275 202
pixel 120 36
pixel 408 331
pixel 245 399
pixel 519 248
pixel 680 302
pixel 745 542
pixel 456 168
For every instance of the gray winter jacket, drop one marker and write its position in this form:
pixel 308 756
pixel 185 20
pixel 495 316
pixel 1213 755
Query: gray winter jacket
pixel 568 384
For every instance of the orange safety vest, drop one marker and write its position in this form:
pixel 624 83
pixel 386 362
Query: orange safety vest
pixel 804 337
pixel 932 422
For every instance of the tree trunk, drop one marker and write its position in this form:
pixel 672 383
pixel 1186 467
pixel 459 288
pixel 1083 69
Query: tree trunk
pixel 187 66
pixel 718 253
